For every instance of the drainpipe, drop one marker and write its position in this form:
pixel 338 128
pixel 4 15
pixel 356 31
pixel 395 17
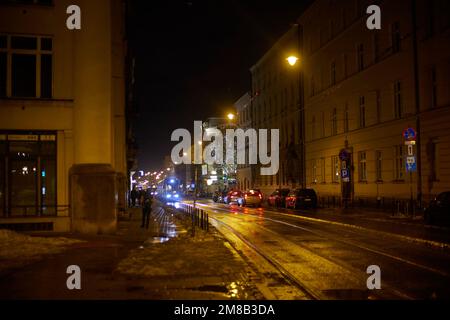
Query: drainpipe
pixel 417 100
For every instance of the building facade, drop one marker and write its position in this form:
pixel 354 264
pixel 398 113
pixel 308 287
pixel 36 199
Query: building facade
pixel 63 135
pixel 364 87
pixel 358 90
pixel 244 115
pixel 276 105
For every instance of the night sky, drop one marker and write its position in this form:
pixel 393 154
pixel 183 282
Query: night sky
pixel 193 60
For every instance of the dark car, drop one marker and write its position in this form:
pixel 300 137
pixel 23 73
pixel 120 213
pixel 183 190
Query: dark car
pixel 278 197
pixel 232 197
pixel 219 196
pixel 301 198
pixel 438 212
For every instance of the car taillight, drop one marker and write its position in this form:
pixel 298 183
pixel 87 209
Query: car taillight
pixel 245 196
pixel 260 196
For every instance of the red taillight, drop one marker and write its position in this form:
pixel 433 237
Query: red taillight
pixel 245 196
pixel 260 196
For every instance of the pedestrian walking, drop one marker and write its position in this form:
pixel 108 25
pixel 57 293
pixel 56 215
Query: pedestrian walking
pixel 142 197
pixel 146 211
pixel 133 195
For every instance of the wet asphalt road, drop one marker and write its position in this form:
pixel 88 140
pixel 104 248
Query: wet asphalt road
pixel 332 259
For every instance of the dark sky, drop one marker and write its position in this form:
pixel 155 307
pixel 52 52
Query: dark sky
pixel 193 59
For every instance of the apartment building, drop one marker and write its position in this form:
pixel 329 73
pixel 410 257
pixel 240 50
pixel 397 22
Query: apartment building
pixel 243 108
pixel 63 156
pixel 276 105
pixel 364 87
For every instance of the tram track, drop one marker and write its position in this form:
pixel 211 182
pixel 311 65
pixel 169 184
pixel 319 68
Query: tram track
pixel 323 235
pixel 290 278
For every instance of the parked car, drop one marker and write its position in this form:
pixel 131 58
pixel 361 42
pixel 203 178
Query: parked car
pixel 233 196
pixel 219 196
pixel 301 198
pixel 251 197
pixel 278 198
pixel 438 212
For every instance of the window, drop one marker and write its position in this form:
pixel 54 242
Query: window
pixel 322 170
pixel 344 57
pixel 434 87
pixel 362 166
pixel 360 57
pixel 376 46
pixel 313 128
pixel 26 66
pixel 434 157
pixel 399 163
pixel 378 105
pixel 323 125
pixel 398 103
pixel 30 184
pixel 335 169
pixel 379 165
pixel 333 73
pixel 346 118
pixel 3 70
pixel 395 37
pixel 362 112
pixel 334 122
pixel 313 171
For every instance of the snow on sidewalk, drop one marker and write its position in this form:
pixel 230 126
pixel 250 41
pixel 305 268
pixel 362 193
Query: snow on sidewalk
pixel 17 250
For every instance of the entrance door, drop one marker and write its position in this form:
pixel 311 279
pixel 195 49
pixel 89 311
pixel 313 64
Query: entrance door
pixel 23 170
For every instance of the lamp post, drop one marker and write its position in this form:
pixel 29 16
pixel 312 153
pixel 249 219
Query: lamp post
pixel 195 178
pixel 293 61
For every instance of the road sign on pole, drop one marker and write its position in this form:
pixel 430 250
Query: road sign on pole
pixel 411 165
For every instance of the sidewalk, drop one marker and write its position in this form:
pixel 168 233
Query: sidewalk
pixel 164 262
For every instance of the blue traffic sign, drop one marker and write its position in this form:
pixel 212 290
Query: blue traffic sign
pixel 411 164
pixel 409 134
pixel 344 154
pixel 345 173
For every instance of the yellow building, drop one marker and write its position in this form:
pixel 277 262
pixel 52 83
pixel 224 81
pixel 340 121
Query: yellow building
pixel 275 105
pixel 243 108
pixel 62 122
pixel 359 90
pixel 360 94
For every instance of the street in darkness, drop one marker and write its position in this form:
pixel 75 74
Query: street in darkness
pixel 225 158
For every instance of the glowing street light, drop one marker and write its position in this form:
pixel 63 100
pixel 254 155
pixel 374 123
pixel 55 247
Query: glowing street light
pixel 292 60
pixel 230 116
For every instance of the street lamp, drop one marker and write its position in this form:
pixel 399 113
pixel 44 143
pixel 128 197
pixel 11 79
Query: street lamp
pixel 292 60
pixel 231 116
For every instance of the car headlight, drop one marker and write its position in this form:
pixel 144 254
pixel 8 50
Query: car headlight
pixel 169 196
pixel 176 196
